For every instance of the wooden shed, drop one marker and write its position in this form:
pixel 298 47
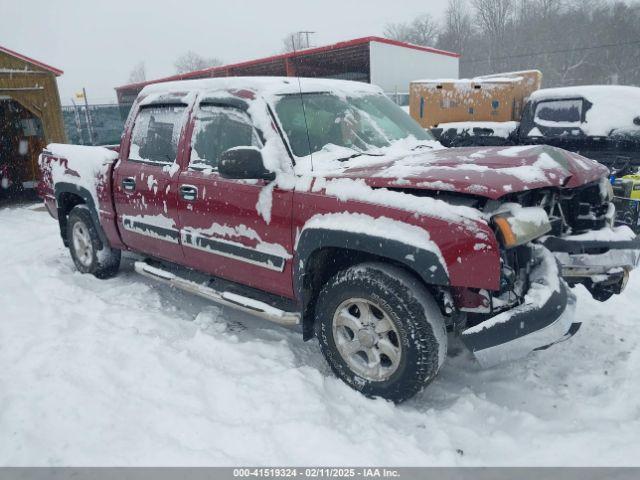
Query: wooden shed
pixel 30 117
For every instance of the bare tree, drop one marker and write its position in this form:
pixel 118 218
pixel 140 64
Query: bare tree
pixel 191 61
pixel 138 73
pixel 458 27
pixel 494 17
pixel 400 31
pixel 296 41
pixel 423 30
pixel 573 42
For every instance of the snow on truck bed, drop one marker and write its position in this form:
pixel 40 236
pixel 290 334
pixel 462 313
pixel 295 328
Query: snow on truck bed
pixel 84 166
pixel 127 372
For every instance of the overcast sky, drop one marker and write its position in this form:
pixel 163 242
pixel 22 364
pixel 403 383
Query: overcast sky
pixel 98 43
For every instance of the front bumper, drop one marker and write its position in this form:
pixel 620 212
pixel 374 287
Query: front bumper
pixel 543 319
pixel 596 260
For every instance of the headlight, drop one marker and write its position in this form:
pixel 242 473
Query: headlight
pixel 520 225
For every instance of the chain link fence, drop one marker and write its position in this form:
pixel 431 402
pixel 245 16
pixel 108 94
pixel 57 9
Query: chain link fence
pixel 104 127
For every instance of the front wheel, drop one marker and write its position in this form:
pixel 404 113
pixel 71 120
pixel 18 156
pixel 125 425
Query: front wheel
pixel 381 331
pixel 89 253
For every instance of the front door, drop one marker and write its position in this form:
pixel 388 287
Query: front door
pixel 235 229
pixel 146 180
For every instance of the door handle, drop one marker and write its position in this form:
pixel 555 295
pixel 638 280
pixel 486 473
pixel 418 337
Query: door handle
pixel 129 184
pixel 188 192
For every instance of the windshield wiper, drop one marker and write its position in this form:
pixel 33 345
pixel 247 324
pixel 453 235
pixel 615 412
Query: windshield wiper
pixel 422 146
pixel 359 154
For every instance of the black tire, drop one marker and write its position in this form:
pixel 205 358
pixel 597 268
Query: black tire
pixel 420 330
pixel 98 259
pixel 602 293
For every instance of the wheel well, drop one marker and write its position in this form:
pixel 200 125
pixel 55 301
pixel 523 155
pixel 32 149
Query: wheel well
pixel 324 263
pixel 66 202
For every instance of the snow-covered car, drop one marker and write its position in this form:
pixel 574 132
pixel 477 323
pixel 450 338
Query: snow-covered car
pixel 600 122
pixel 320 203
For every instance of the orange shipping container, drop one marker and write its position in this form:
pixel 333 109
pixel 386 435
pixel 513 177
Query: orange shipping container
pixel 491 98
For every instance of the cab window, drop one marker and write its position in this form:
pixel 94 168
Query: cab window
pixel 218 129
pixel 156 133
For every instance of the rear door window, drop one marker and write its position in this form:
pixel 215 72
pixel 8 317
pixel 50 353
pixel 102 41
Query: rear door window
pixel 218 129
pixel 156 133
pixel 559 113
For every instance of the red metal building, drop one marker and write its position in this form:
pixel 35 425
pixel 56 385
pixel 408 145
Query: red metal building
pixel 388 63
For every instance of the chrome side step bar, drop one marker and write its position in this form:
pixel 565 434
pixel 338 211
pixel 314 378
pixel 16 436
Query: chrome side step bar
pixel 227 299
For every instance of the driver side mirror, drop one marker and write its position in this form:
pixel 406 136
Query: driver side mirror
pixel 244 163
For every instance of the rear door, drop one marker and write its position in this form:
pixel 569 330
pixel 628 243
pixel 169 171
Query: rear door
pixel 146 179
pixel 235 229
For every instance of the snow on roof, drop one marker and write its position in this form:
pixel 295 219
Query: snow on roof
pixel 470 80
pixel 597 92
pixel 503 77
pixel 614 107
pixel 57 72
pixel 515 73
pixel 264 85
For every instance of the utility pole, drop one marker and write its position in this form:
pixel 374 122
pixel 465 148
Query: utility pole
pixel 88 116
pixel 306 33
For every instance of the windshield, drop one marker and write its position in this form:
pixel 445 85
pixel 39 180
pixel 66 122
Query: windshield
pixel 360 123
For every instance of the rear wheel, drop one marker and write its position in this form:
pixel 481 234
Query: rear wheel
pixel 89 253
pixel 381 331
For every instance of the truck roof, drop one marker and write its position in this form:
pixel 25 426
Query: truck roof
pixel 261 85
pixel 597 92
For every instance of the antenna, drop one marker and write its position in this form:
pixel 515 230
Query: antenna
pixel 304 111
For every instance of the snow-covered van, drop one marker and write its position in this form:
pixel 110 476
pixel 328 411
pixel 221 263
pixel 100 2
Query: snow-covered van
pixel 321 204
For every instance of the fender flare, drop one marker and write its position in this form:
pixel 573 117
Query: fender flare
pixel 425 264
pixel 65 187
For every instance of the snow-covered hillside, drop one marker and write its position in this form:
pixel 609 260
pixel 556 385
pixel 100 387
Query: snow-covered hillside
pixel 126 372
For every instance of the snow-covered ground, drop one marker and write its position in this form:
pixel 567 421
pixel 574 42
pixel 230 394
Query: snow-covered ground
pixel 126 372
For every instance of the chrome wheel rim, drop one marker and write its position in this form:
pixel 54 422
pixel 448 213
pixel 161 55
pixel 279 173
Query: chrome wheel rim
pixel 82 244
pixel 367 339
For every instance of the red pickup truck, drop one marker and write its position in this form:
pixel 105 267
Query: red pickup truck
pixel 322 204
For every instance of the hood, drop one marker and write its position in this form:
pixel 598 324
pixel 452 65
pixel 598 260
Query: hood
pixel 490 172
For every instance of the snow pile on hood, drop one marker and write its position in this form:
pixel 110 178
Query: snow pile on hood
pixel 614 107
pixel 489 171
